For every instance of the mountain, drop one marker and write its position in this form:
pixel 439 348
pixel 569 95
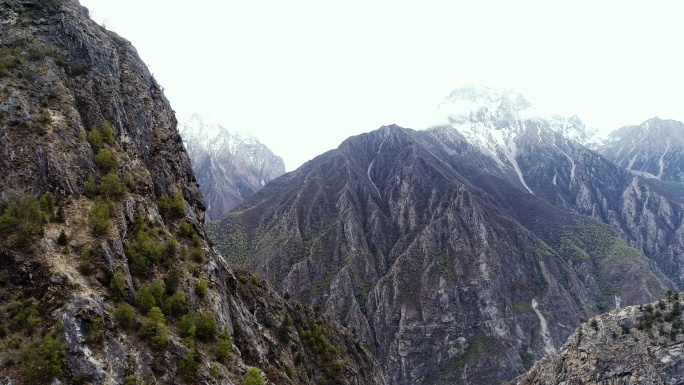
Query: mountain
pixel 633 345
pixel 229 167
pixel 106 276
pixel 547 157
pixel 655 149
pixel 434 252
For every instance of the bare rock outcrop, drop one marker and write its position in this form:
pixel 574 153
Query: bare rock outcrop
pixel 634 345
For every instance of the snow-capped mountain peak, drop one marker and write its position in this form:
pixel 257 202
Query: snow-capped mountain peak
pixel 501 122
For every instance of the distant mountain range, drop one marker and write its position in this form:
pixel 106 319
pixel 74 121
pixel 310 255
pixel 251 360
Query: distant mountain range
pixel 457 249
pixel 229 167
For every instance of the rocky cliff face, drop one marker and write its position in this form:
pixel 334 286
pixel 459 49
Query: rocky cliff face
pixel 635 345
pixel 229 167
pixel 107 278
pixel 454 267
pixel 654 149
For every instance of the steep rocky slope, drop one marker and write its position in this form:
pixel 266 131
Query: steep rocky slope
pixel 654 148
pixel 635 345
pixel 107 277
pixel 454 268
pixel 229 167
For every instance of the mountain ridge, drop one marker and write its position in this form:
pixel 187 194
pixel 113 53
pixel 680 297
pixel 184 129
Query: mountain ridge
pixel 229 167
pixel 405 221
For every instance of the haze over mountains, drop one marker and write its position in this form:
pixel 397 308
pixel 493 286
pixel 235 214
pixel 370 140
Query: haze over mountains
pixel 459 242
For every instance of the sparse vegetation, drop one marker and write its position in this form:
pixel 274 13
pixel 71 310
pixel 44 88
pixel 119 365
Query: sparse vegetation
pixel 142 252
pixel 41 361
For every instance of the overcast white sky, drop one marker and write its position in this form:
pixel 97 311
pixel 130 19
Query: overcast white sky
pixel 304 75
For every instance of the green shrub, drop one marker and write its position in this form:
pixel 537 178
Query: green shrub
pixel 90 186
pixel 106 132
pixel 95 140
pixel 60 215
pixel 45 117
pixel 62 240
pixel 186 230
pixel 154 330
pixel 47 203
pixel 224 346
pixel 110 185
pixel 170 248
pixel 142 252
pixel 198 255
pixel 41 361
pixel 176 305
pixel 85 265
pixel 187 326
pixel 95 330
pixel 100 214
pixel 206 327
pixel 253 377
pixel 21 314
pixel 283 330
pixel 125 315
pixel 189 365
pixel 145 299
pixel 21 221
pixel 129 181
pixel 171 282
pixel 10 57
pixel 201 288
pixel 118 285
pixel 106 160
pixel 164 205
pixel 171 209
